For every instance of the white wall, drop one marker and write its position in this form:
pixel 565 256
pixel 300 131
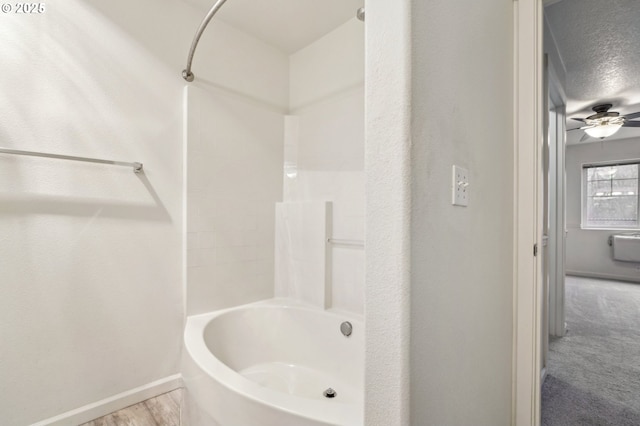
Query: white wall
pixel 460 272
pixel 587 250
pixel 90 255
pixel 387 195
pixel 461 257
pixel 325 146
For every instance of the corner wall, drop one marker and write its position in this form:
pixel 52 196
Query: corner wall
pixel 588 253
pixel 234 142
pixel 324 150
pixel 235 170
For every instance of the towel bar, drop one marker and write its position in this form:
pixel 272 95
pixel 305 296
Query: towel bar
pixel 137 167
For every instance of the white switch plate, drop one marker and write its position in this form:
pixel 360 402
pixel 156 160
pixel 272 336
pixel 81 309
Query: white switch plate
pixel 460 187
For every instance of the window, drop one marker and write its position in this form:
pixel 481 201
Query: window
pixel 610 195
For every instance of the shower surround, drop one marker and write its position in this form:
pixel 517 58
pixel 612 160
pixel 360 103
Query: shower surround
pixel 297 136
pixel 268 183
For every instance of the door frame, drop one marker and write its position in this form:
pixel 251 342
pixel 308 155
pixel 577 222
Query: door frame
pixel 553 209
pixel 557 244
pixel 528 139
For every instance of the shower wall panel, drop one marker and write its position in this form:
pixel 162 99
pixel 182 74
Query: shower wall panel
pixel 324 149
pixel 234 179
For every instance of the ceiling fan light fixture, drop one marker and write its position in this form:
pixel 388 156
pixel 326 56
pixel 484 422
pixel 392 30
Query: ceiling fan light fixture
pixel 605 123
pixel 604 129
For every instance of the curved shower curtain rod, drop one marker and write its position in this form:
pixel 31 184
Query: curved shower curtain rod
pixel 186 73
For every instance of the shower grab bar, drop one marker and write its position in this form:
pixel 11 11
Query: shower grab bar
pixel 186 73
pixel 354 243
pixel 137 167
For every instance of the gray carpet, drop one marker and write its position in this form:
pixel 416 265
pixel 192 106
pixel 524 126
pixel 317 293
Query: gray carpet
pixel 593 373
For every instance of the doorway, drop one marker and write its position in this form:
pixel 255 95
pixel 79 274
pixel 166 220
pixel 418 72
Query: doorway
pixel 579 364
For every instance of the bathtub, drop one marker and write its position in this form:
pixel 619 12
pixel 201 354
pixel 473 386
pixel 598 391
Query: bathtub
pixel 270 363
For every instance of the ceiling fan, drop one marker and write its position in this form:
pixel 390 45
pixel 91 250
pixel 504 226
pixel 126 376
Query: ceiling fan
pixel 604 123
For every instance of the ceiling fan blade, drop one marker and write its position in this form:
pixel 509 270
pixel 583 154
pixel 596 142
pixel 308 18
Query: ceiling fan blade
pixel 584 137
pixel 579 119
pixel 632 115
pixel 631 124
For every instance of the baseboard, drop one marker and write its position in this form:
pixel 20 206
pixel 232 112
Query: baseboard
pixel 603 276
pixel 114 403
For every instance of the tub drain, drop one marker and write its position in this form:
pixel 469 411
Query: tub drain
pixel 329 393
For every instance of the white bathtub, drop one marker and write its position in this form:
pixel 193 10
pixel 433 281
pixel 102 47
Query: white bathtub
pixel 268 364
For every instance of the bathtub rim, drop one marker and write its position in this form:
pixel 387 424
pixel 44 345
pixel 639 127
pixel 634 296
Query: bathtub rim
pixel 330 411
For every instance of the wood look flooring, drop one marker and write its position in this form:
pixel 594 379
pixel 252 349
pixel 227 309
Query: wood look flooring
pixel 163 410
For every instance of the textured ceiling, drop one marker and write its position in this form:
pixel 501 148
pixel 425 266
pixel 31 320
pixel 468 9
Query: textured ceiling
pixel 599 42
pixel 288 25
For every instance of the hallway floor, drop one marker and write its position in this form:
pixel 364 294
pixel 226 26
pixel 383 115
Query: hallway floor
pixel 593 372
pixel 163 410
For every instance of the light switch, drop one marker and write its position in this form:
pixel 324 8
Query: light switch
pixel 460 187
